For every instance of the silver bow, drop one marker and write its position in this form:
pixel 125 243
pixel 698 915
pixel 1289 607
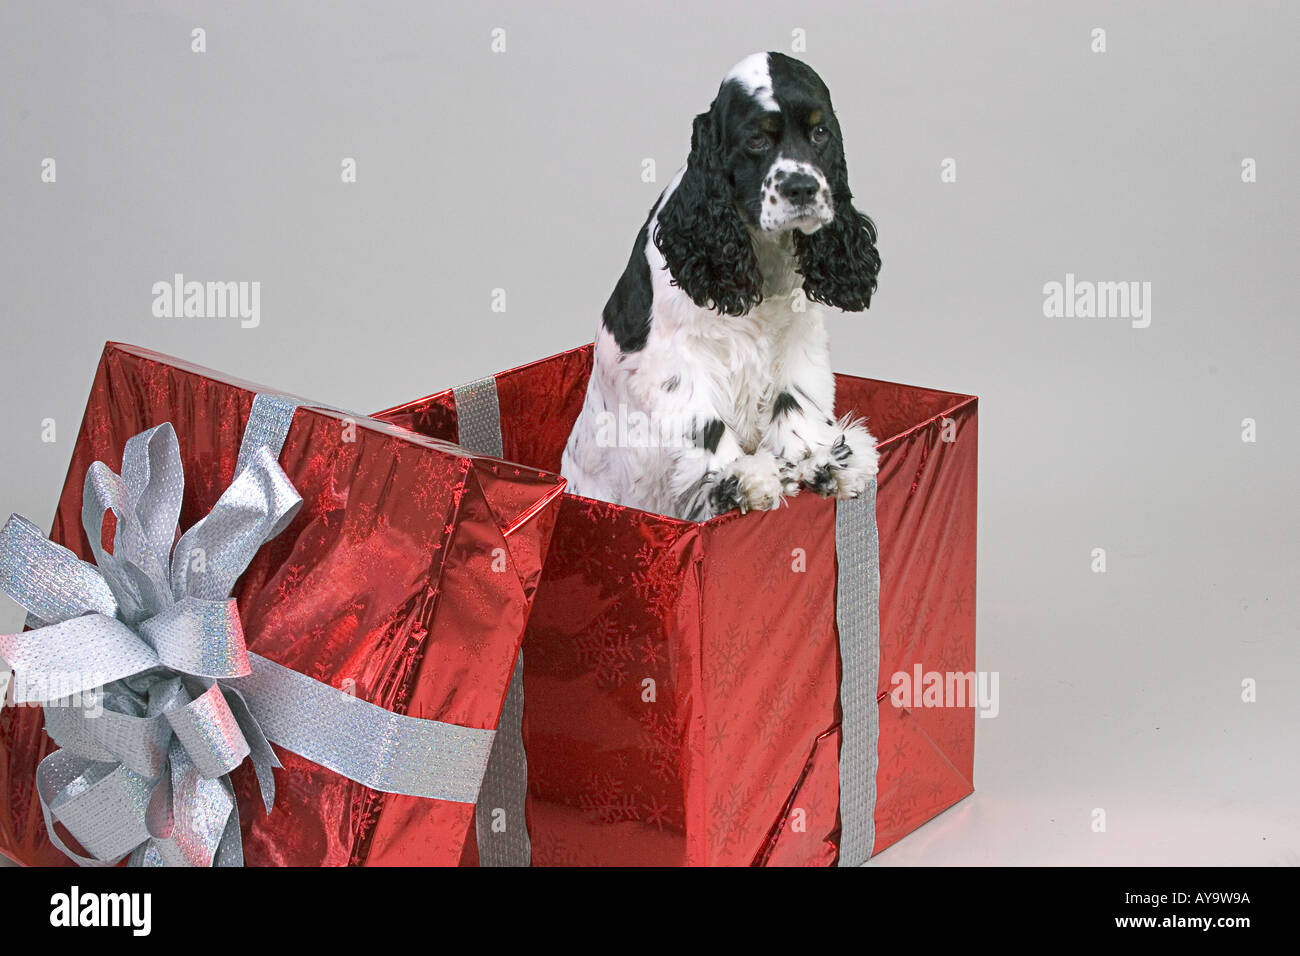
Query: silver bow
pixel 151 632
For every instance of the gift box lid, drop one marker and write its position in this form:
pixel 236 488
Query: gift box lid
pixel 405 579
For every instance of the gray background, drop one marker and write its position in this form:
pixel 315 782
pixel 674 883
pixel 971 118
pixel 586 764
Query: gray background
pixel 1119 691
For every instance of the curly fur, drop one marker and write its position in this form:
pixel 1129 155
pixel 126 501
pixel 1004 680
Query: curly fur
pixel 839 261
pixel 702 238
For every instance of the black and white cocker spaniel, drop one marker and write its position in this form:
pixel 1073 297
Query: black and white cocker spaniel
pixel 712 386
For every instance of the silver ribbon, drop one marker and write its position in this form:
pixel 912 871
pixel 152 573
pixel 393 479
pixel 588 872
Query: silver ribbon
pixel 857 618
pixel 478 417
pixel 151 633
pixel 500 825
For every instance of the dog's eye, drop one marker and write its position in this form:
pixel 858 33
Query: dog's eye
pixel 758 143
pixel 819 135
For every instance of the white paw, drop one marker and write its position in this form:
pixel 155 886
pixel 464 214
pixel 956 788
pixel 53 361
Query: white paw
pixel 842 467
pixel 750 483
pixel 855 460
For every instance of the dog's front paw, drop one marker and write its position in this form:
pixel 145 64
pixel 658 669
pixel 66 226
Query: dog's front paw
pixel 842 468
pixel 854 461
pixel 817 472
pixel 750 483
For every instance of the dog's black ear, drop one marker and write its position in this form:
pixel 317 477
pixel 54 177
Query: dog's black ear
pixel 700 233
pixel 839 261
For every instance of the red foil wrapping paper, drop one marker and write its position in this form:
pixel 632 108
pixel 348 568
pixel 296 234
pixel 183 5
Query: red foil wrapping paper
pixel 729 625
pixel 406 578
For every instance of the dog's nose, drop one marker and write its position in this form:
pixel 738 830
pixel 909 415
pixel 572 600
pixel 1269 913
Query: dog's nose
pixel 798 188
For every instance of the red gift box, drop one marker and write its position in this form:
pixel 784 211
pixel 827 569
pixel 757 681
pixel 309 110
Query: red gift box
pixel 405 580
pixel 681 680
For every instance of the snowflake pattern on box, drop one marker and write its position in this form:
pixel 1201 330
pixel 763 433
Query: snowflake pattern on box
pixel 607 650
pixel 608 798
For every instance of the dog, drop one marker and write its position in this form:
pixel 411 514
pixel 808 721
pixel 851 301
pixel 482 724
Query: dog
pixel 711 387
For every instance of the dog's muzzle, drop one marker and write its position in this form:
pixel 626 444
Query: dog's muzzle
pixel 795 196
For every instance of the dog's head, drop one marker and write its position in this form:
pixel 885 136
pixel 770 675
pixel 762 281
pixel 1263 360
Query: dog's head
pixel 767 158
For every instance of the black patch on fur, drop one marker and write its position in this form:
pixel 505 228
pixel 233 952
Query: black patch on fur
pixel 671 383
pixel 809 399
pixel 823 481
pixel 711 434
pixel 725 495
pixel 627 313
pixel 785 404
pixel 841 451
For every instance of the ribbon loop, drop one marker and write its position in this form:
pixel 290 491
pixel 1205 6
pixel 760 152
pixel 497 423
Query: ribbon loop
pixel 209 733
pixel 155 481
pixel 47 579
pixel 257 506
pixel 201 814
pixel 138 743
pixel 101 804
pixel 73 657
